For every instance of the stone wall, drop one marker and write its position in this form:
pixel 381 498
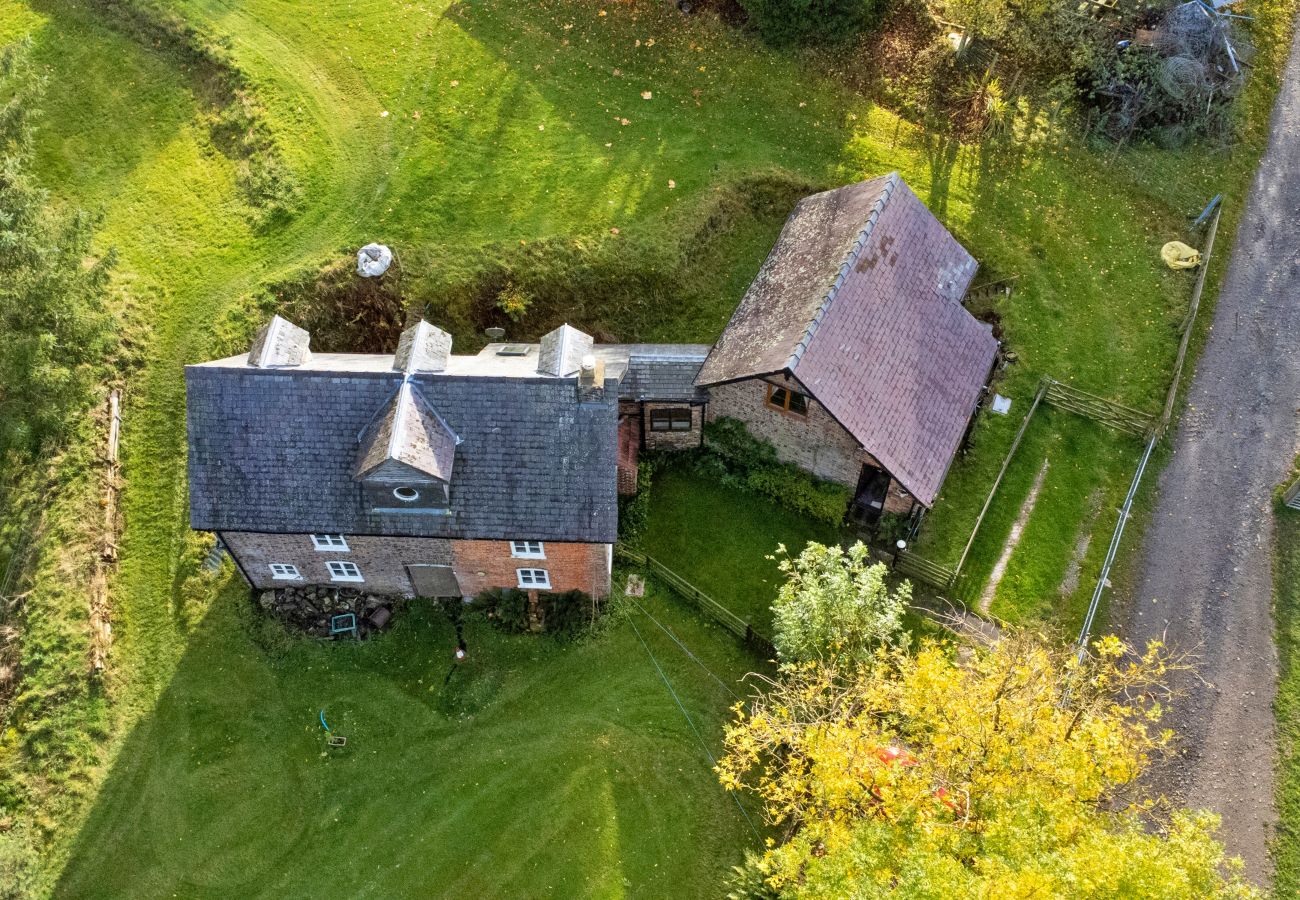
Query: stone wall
pixel 382 560
pixel 478 565
pixel 487 564
pixel 673 440
pixel 815 442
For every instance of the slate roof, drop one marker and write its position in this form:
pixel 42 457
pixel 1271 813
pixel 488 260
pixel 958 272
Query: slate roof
pixel 412 433
pixel 275 451
pixel 280 343
pixel 562 350
pixel 664 372
pixel 861 300
pixel 422 348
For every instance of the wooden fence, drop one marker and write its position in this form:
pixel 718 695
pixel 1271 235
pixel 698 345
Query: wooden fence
pixel 919 568
pixel 1291 496
pixel 1189 322
pixel 1107 412
pixel 702 601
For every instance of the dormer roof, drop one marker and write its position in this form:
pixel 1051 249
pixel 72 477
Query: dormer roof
pixel 280 343
pixel 422 348
pixel 408 437
pixel 562 351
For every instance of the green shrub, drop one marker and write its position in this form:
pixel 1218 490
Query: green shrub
pixel 634 510
pixel 565 613
pixel 568 613
pixel 506 608
pixel 786 22
pixel 824 501
pixel 836 604
pixel 736 458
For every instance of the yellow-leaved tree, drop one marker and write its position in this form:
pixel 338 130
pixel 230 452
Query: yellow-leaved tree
pixel 1006 771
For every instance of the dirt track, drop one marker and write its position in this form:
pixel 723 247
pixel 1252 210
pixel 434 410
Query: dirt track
pixel 1206 574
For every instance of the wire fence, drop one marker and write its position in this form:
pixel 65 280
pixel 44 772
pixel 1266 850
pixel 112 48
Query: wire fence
pixel 702 601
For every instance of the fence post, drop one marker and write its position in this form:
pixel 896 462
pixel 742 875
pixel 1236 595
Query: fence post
pixel 1015 444
pixel 1190 322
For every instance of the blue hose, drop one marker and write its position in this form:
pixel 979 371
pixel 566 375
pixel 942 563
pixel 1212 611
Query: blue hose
pixel 322 721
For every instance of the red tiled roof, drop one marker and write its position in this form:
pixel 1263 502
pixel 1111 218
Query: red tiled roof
pixel 861 300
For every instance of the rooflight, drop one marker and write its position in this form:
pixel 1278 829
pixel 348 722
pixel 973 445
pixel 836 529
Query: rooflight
pixel 513 350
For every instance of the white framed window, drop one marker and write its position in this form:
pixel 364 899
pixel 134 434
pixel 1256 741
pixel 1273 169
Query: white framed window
pixel 285 572
pixel 534 578
pixel 342 570
pixel 330 542
pixel 527 550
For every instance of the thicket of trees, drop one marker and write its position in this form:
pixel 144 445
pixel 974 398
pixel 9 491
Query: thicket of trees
pixel 952 771
pixel 53 323
pixel 1008 771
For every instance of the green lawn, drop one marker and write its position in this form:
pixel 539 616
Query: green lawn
pixel 543 768
pixel 1286 582
pixel 519 138
pixel 718 538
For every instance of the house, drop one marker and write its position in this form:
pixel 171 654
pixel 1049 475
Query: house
pixel 851 352
pixel 425 472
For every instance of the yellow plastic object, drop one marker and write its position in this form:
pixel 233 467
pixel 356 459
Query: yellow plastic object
pixel 1178 255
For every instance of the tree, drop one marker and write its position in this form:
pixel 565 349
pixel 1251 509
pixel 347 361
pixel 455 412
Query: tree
pixel 1008 771
pixel 785 22
pixel 835 605
pixel 52 316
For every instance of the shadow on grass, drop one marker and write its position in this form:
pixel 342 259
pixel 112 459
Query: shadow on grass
pixel 540 768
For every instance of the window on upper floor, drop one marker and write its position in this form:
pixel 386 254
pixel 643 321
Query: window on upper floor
pixel 787 400
pixel 285 572
pixel 527 550
pixel 341 570
pixel 329 542
pixel 670 419
pixel 534 578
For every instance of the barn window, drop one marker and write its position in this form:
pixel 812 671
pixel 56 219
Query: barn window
pixel 787 400
pixel 671 419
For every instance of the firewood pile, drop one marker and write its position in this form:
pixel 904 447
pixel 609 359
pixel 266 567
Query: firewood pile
pixel 311 609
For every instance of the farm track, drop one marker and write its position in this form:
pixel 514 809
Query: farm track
pixel 1206 582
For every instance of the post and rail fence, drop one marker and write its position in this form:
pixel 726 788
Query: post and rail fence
pixel 702 601
pixel 1291 496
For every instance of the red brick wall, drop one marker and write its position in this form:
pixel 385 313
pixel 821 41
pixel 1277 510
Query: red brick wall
pixel 478 565
pixel 629 449
pixel 487 564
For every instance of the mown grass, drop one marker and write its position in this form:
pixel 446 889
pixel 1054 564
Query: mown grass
pixel 719 539
pixel 516 774
pixel 514 151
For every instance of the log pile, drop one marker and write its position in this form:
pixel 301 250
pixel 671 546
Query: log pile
pixel 310 609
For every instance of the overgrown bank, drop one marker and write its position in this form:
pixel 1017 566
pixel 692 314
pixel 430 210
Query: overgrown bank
pixel 1286 586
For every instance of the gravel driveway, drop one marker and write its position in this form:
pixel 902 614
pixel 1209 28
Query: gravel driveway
pixel 1206 578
